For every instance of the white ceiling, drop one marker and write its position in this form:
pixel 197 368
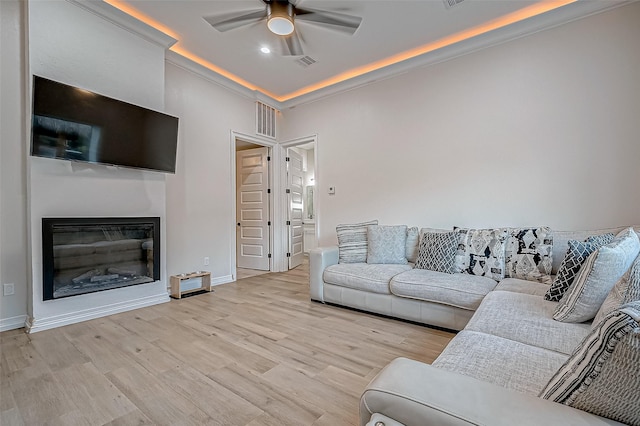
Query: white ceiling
pixel 387 28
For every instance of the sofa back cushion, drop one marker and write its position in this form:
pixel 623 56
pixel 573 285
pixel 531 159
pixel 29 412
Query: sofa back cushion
pixel 353 242
pixel 602 376
pixel 561 240
pixel 413 240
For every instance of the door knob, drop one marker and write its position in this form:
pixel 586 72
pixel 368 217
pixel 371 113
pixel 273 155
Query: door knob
pixel 238 223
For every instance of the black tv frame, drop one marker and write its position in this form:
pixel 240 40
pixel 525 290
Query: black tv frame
pixel 73 124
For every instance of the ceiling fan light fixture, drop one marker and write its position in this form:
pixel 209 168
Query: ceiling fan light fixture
pixel 280 18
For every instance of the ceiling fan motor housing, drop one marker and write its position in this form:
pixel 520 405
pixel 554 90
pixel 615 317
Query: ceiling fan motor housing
pixel 280 17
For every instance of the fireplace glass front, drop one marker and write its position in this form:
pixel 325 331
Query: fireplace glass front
pixel 85 255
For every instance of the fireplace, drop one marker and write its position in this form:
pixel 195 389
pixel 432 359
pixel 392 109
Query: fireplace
pixel 85 255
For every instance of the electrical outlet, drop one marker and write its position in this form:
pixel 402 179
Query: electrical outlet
pixel 206 261
pixel 8 289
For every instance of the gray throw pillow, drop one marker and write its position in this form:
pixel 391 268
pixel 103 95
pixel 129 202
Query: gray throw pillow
pixel 387 244
pixel 352 242
pixel 601 375
pixel 576 255
pixel 600 272
pixel 626 290
pixel 438 251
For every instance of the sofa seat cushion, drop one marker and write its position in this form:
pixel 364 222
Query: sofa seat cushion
pixel 528 319
pixel 373 278
pixel 504 362
pixel 460 290
pixel 517 285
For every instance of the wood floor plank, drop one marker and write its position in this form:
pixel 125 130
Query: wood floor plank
pixel 251 353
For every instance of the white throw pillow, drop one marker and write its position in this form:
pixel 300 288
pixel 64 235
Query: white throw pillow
pixel 626 290
pixel 597 276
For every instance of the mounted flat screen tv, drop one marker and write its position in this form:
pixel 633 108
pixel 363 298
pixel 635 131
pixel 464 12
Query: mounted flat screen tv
pixel 74 124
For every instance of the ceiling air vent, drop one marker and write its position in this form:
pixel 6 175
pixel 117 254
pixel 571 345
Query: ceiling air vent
pixel 306 61
pixel 450 3
pixel 265 120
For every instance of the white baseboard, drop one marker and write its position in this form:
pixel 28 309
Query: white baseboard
pixel 222 280
pixel 39 324
pixel 13 323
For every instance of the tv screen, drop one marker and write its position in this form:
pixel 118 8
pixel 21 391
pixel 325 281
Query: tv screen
pixel 74 124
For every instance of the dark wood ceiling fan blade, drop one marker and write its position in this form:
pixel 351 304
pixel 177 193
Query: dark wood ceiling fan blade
pixel 224 23
pixel 338 21
pixel 293 45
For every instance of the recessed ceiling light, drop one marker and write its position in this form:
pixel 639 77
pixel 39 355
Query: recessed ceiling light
pixel 265 50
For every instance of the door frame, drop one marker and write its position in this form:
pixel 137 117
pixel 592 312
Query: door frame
pixel 281 201
pixel 279 243
pixel 273 208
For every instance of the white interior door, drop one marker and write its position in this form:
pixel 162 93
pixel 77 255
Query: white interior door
pixel 295 184
pixel 252 209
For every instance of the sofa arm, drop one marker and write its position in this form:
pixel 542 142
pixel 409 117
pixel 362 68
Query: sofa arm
pixel 319 259
pixel 414 393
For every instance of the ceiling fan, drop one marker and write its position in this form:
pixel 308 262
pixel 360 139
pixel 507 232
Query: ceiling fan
pixel 281 17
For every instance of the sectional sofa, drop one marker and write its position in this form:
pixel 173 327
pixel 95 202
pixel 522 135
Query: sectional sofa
pixel 497 368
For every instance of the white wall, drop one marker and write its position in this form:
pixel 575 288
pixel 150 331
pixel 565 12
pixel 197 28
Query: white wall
pixel 199 196
pixel 71 45
pixel 540 130
pixel 13 203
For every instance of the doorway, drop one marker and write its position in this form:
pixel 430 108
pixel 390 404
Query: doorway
pixel 253 208
pixel 283 240
pixel 300 201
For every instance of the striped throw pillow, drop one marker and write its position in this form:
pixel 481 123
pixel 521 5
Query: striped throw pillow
pixel 352 242
pixel 602 375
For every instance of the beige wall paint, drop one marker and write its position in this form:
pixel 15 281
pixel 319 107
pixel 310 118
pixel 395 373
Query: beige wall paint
pixel 13 200
pixel 542 130
pixel 199 197
pixel 74 46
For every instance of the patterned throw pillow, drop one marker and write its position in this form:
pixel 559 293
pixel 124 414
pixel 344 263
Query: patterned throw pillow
pixel 599 273
pixel 438 251
pixel 528 254
pixel 352 242
pixel 626 290
pixel 600 240
pixel 602 375
pixel 481 252
pixel 571 264
pixel 413 237
pixel 387 244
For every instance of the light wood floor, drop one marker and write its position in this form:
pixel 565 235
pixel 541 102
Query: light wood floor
pixel 254 352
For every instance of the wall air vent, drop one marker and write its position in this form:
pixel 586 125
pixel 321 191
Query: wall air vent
pixel 450 3
pixel 265 120
pixel 306 61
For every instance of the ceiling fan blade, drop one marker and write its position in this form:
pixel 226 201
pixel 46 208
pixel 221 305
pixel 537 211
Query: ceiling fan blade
pixel 293 45
pixel 338 21
pixel 228 22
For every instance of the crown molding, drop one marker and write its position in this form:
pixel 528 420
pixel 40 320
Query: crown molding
pixel 571 12
pixel 565 14
pixel 220 80
pixel 125 21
